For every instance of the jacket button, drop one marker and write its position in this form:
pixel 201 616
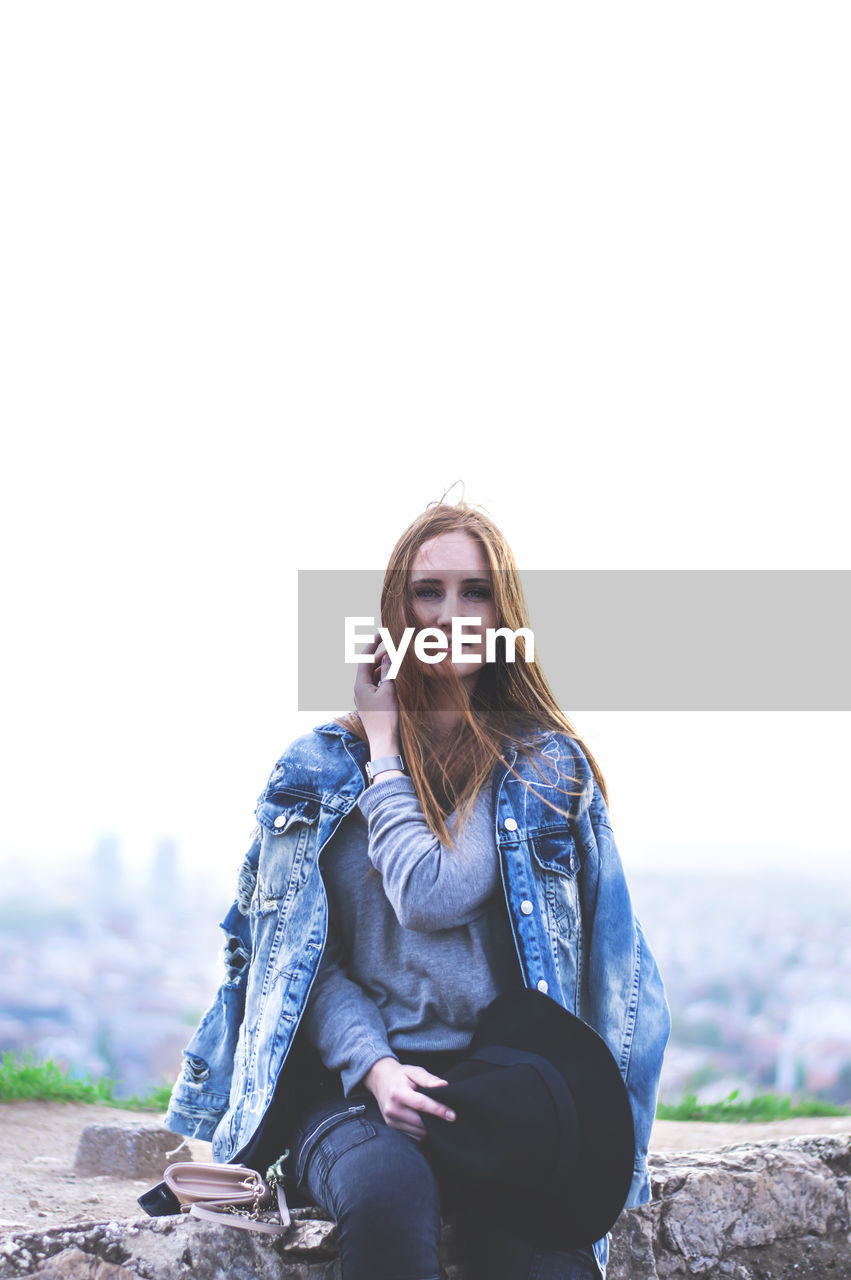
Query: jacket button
pixel 510 824
pixel 543 986
pixel 280 820
pixel 526 907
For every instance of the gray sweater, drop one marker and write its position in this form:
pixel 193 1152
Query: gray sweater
pixel 416 947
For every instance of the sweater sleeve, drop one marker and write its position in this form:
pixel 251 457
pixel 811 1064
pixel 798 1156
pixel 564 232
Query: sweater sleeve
pixel 429 886
pixel 341 1021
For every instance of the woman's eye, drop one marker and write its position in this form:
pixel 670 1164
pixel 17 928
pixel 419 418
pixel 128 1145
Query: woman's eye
pixel 473 593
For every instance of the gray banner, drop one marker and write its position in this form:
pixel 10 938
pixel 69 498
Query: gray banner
pixel 632 640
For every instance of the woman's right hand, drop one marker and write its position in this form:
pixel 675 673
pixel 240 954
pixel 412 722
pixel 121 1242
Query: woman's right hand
pixel 394 1086
pixel 375 699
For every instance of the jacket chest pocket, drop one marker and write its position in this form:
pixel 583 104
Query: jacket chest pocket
pixel 288 828
pixel 557 864
pixel 555 850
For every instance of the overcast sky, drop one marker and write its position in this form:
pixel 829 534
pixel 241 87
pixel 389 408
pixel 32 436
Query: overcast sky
pixel 273 279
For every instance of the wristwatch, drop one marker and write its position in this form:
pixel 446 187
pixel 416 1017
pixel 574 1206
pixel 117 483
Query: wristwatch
pixel 382 764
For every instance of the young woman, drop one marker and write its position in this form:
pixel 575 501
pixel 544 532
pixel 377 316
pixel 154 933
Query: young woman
pixel 466 849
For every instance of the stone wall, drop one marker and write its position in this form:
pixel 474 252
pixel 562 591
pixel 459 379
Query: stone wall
pixel 758 1211
pixel 753 1212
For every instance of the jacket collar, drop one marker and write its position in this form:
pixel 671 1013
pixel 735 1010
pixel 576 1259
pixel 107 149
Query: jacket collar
pixel 337 730
pixel 328 765
pixel 350 754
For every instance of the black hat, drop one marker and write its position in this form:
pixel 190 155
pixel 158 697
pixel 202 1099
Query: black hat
pixel 543 1135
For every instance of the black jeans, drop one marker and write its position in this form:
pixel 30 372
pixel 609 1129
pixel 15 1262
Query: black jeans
pixel 378 1185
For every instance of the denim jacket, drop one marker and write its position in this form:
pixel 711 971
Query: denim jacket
pixel 575 933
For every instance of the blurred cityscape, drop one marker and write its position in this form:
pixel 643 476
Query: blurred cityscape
pixel 758 975
pixel 109 974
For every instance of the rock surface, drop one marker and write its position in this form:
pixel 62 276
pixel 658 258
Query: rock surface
pixel 756 1210
pixel 73 1264
pixel 127 1151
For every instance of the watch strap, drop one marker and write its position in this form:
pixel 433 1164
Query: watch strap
pixel 382 764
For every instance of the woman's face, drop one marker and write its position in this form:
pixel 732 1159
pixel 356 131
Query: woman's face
pixel 451 578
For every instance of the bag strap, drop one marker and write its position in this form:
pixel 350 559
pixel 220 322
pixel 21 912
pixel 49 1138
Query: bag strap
pixel 216 1211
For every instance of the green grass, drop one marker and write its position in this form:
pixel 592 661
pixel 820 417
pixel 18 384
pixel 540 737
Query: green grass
pixel 765 1106
pixel 26 1079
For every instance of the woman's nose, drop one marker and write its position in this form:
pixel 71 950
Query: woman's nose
pixel 448 610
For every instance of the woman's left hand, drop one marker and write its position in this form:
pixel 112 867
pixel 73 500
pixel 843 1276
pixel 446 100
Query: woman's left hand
pixel 375 699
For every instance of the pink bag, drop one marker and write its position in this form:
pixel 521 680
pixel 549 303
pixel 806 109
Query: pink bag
pixel 231 1194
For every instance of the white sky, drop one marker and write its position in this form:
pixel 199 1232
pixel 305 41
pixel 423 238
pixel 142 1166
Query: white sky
pixel 273 278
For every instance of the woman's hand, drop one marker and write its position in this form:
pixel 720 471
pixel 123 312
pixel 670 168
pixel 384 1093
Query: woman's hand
pixel 393 1085
pixel 375 699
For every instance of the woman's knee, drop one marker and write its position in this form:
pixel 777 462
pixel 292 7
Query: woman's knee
pixel 384 1198
pixel 386 1178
